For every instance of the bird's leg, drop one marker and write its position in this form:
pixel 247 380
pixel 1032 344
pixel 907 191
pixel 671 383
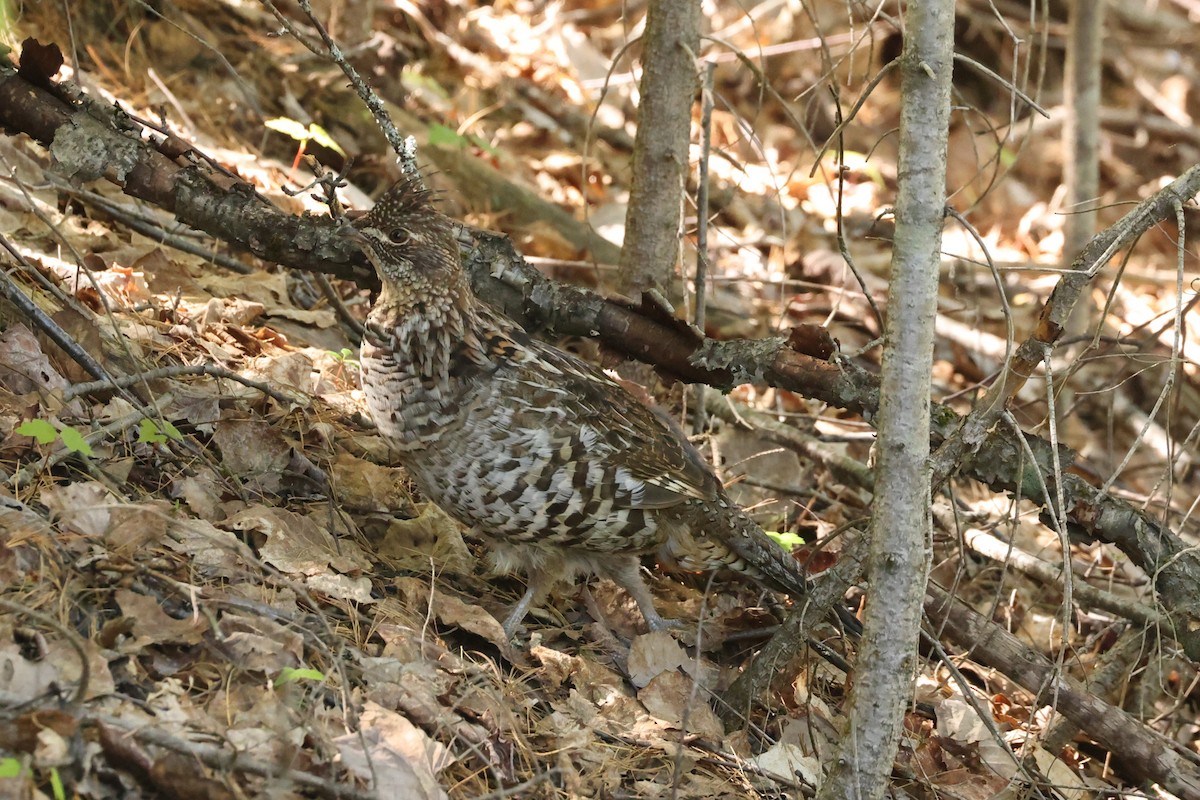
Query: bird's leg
pixel 539 582
pixel 626 572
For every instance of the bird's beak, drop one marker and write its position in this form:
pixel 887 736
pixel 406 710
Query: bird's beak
pixel 355 235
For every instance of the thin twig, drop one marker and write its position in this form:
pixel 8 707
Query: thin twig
pixel 339 307
pixel 1029 101
pixel 843 122
pixel 520 788
pixel 42 320
pixel 80 389
pixel 700 420
pixel 840 219
pixel 229 760
pixel 334 52
pixel 151 229
pixel 997 549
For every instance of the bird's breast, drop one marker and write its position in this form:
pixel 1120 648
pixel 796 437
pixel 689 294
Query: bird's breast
pixel 410 406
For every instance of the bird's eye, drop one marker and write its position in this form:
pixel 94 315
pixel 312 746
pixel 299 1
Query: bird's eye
pixel 398 236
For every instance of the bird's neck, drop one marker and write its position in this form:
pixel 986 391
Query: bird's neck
pixel 437 336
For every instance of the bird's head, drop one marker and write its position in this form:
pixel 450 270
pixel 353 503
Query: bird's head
pixel 414 250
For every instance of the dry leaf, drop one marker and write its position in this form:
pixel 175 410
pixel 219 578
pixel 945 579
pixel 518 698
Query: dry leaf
pixel 84 507
pixel 399 756
pixel 152 625
pixel 653 653
pixel 296 544
pixel 789 762
pixel 364 486
pixel 673 698
pixel 432 538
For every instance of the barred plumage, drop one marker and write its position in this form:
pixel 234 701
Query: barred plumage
pixel 557 466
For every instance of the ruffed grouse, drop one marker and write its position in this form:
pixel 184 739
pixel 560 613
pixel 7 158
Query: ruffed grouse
pixel 558 467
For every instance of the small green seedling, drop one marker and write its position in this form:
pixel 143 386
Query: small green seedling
pixel 440 135
pixel 288 675
pixel 45 433
pixel 304 134
pixel 344 358
pixel 149 432
pixel 788 541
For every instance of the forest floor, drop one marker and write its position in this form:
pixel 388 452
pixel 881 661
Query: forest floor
pixel 243 597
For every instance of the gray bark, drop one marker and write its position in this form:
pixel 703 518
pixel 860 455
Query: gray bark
pixel 898 563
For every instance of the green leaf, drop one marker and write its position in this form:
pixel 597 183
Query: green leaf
pixel 304 133
pixel 9 768
pixel 148 432
pixel 171 431
pixel 56 785
pixel 289 675
pixel 322 137
pixel 345 357
pixel 289 127
pixel 484 146
pixel 788 541
pixel 39 429
pixel 441 135
pixel 74 441
pixel 415 81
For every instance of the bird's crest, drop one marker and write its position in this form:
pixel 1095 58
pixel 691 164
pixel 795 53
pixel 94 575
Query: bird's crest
pixel 407 197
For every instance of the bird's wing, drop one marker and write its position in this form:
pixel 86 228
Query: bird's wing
pixel 589 411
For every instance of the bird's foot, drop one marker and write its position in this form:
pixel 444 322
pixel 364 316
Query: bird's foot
pixel 657 622
pixel 512 623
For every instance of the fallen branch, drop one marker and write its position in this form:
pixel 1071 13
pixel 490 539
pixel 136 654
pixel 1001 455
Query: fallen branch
pixel 1144 755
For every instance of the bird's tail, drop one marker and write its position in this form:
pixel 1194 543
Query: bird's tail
pixel 725 537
